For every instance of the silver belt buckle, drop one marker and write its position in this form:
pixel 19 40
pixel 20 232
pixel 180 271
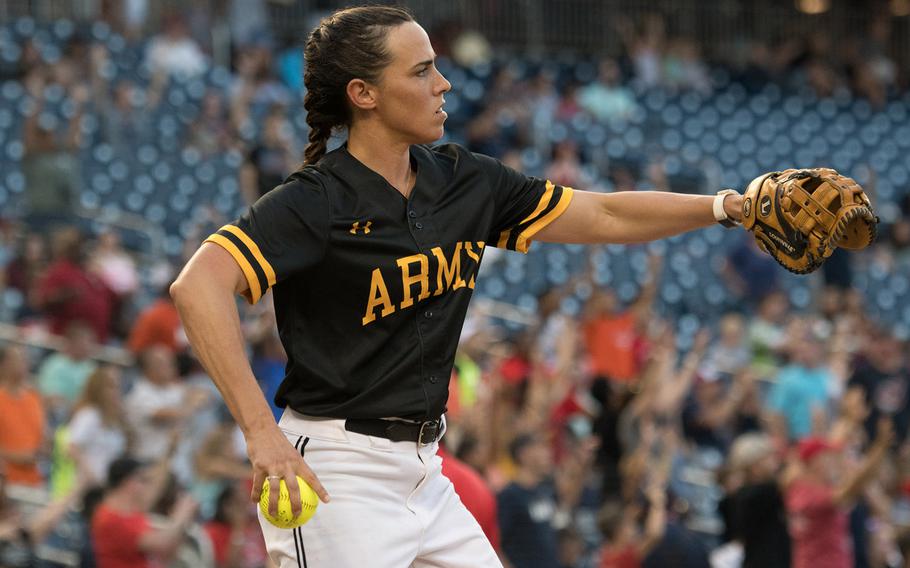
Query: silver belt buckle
pixel 435 424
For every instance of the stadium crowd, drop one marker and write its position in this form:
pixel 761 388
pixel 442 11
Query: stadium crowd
pixel 582 438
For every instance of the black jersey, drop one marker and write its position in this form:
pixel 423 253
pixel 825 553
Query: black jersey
pixel 370 288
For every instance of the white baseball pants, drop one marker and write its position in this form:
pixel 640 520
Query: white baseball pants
pixel 390 506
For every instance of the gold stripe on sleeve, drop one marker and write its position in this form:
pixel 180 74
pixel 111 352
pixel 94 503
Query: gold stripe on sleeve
pixel 254 248
pixel 245 266
pixel 541 205
pixel 522 242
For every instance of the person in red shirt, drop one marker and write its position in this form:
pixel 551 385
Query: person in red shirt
pixel 68 292
pixel 626 546
pixel 121 534
pixel 22 420
pixel 234 531
pixel 158 324
pixel 474 492
pixel 819 500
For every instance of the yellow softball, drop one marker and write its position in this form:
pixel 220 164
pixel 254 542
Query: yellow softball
pixel 285 519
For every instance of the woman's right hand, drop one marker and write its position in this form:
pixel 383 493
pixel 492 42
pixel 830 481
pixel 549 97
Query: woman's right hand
pixel 274 458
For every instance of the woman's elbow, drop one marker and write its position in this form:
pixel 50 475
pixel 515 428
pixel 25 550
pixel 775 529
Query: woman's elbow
pixel 179 288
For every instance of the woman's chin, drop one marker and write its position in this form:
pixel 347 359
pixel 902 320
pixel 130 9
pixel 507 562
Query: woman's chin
pixel 429 137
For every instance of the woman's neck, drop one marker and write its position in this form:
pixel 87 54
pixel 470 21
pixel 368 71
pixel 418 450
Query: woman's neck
pixel 384 155
pixel 122 502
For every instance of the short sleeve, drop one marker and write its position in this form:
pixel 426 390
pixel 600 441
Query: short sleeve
pixel 778 395
pixel 523 205
pixel 84 427
pixel 283 233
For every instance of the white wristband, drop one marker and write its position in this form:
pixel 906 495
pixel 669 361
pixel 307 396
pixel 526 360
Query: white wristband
pixel 720 215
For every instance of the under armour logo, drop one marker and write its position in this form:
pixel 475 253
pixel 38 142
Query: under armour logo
pixel 357 227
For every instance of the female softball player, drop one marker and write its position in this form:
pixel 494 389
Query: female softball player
pixel 371 252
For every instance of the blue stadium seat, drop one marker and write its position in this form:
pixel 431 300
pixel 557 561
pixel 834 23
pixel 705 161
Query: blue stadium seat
pixel 15 181
pixel 25 27
pixel 144 184
pixel 135 201
pixel 162 172
pixel 102 184
pixel 14 151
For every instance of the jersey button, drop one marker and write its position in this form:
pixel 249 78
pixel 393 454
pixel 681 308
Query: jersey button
pixel 418 225
pixel 434 379
pixel 428 314
pixel 412 214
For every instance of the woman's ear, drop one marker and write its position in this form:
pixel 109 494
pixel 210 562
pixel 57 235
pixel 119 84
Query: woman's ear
pixel 361 94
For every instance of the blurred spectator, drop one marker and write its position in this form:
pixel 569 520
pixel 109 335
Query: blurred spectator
pixel 127 118
pixel 750 273
pixel 211 132
pixel 63 374
pixel 248 19
pixel 625 545
pixel 121 532
pixel 613 335
pixel 569 105
pixel 543 102
pixel 683 68
pixel 20 535
pixel 474 492
pixel 731 353
pixel 157 325
pixel 69 292
pixel 756 72
pixel 883 377
pixel 118 271
pixel 22 420
pixel 255 84
pixel 819 498
pixel 759 517
pixel 234 530
pixel 173 51
pixel 645 48
pixel 801 397
pixel 767 336
pixel 565 168
pixel 290 67
pixel 98 432
pixel 556 330
pixel 607 99
pixel 50 165
pixel 529 511
pixel 272 159
pixel 268 363
pixel 158 405
pixel 899 241
pixel 715 414
pixel 26 269
pixel 220 461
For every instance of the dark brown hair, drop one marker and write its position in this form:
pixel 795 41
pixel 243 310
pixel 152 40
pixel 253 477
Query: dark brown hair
pixel 349 44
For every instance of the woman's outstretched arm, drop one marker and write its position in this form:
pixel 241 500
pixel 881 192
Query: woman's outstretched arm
pixel 633 216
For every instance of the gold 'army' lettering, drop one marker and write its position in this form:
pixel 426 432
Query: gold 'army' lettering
pixel 448 277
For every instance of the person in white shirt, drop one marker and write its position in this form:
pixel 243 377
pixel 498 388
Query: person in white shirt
pixel 98 431
pixel 174 52
pixel 159 405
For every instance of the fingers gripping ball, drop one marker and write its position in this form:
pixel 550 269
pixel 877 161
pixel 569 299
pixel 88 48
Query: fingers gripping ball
pixel 285 519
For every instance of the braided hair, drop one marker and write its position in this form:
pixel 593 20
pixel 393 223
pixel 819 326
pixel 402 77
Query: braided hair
pixel 349 44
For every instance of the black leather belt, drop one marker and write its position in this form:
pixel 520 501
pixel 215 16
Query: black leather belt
pixel 396 430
